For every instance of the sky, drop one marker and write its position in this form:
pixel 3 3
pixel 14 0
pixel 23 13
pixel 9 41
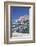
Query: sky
pixel 16 12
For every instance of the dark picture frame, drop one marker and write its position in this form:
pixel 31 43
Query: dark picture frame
pixel 6 30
